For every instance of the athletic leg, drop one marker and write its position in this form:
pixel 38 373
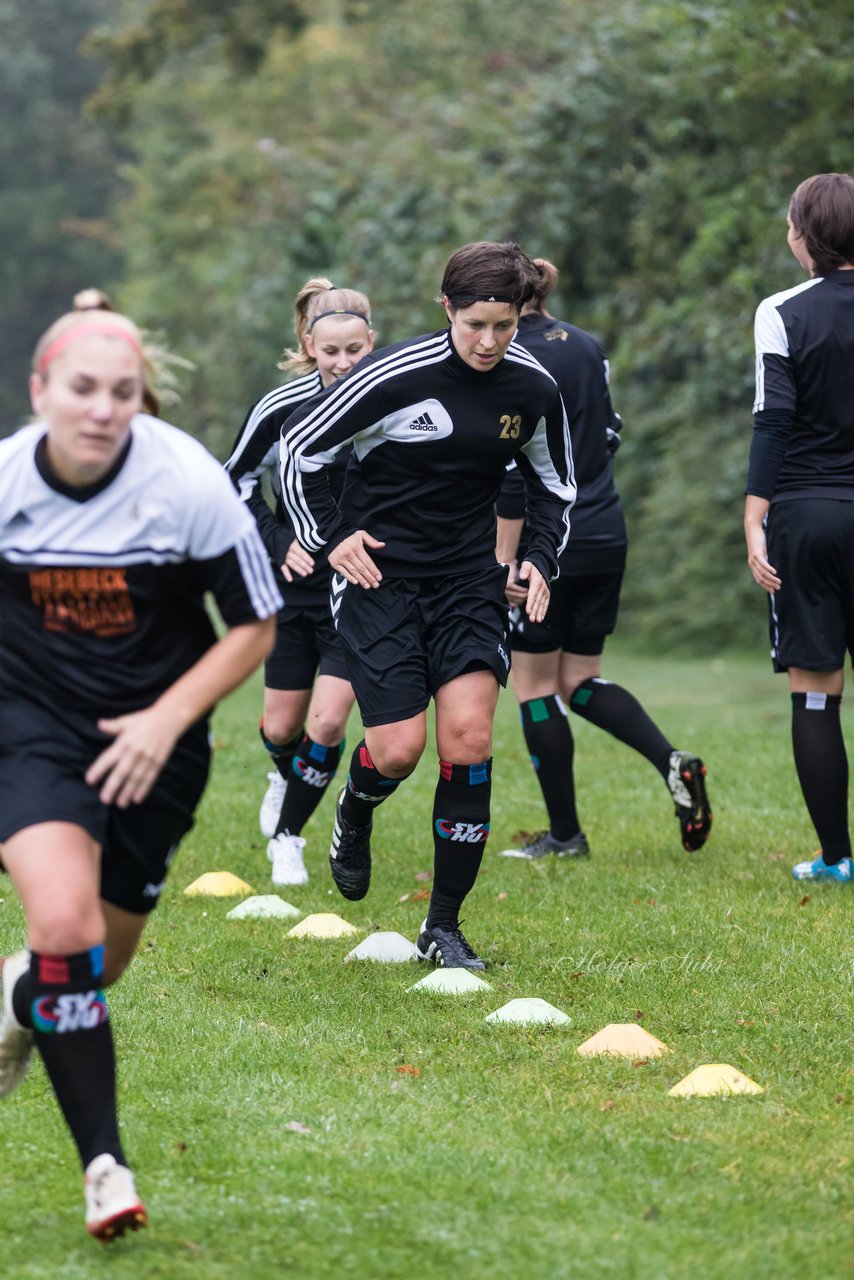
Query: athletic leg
pixel 55 867
pixel 821 762
pixel 548 736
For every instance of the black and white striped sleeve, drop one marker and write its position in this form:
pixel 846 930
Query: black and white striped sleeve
pixel 311 439
pixel 775 400
pixel 546 466
pixel 226 552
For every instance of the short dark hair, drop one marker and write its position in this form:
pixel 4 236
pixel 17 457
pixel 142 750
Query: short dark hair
pixel 489 271
pixel 822 211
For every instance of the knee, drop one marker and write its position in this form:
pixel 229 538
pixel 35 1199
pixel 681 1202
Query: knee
pixel 66 927
pixel 280 727
pixel 469 744
pixel 327 727
pixel 397 757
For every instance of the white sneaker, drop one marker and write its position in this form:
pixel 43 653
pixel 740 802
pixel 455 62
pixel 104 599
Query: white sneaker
pixel 285 853
pixel 271 805
pixel 16 1042
pixel 112 1205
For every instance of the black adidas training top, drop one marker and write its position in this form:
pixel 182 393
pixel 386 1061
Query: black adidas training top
pixel 432 438
pixel 256 454
pixel 578 363
pixel 803 438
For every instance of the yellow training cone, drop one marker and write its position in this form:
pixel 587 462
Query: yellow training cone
pixel 623 1040
pixel 713 1079
pixel 219 884
pixel 324 924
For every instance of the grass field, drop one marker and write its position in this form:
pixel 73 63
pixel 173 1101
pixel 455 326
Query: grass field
pixel 262 1097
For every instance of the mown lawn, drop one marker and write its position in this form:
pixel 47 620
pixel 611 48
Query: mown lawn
pixel 271 1127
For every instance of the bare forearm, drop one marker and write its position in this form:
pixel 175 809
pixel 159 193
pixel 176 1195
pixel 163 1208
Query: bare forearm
pixel 225 666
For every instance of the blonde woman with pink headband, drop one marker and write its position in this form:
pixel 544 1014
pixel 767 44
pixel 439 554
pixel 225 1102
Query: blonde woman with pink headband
pixel 113 525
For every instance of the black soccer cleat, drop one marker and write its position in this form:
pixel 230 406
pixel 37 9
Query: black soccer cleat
pixel 446 948
pixel 544 843
pixel 686 782
pixel 350 855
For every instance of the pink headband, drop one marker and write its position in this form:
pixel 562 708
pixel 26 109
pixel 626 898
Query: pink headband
pixel 103 328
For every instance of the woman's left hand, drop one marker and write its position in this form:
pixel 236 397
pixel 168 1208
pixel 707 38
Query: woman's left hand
pixel 127 769
pixel 539 594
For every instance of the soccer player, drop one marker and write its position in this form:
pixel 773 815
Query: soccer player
pixel 800 498
pixel 113 525
pixel 303 727
pixel 417 596
pixel 557 663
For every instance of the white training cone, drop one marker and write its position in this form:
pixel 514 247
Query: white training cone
pixel 623 1040
pixel 454 982
pixel 324 924
pixel 262 907
pixel 713 1079
pixel 529 1011
pixel 389 948
pixel 219 884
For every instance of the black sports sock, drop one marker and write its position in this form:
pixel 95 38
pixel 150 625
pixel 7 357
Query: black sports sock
pixel 281 753
pixel 68 1014
pixel 460 831
pixel 312 769
pixel 822 765
pixel 366 788
pixel 612 708
pixel 545 725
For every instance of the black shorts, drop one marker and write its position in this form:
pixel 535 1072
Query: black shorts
pixel 811 545
pixel 408 637
pixel 582 612
pixel 306 645
pixel 43 759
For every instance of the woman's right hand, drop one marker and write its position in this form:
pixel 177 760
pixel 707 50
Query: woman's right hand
pixel 351 559
pixel 764 574
pixel 298 560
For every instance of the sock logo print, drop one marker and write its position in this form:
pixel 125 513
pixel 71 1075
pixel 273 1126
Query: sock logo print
pixel 76 1011
pixel 464 832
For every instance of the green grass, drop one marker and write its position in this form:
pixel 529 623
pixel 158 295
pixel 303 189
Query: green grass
pixel 509 1155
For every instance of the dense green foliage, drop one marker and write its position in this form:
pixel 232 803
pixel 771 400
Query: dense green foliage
pixel 648 149
pixel 269 1096
pixel 59 180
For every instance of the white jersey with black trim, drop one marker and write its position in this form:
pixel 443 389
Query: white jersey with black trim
pixel 101 589
pixel 432 438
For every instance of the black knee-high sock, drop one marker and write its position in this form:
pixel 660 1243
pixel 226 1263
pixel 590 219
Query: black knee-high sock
pixel 460 831
pixel 612 708
pixel 366 788
pixel 312 769
pixel 281 753
pixel 822 765
pixel 61 999
pixel 550 743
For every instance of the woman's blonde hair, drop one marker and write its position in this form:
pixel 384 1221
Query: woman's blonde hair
pixel 316 299
pixel 94 311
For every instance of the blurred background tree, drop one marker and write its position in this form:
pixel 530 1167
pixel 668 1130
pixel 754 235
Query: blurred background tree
pixel 648 149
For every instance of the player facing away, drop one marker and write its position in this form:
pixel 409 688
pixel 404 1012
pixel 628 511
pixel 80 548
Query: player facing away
pixel 113 526
pixel 799 511
pixel 557 663
pixel 307 695
pixel 417 596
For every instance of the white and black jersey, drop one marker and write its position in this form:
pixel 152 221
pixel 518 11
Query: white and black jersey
pixel 803 439
pixel 256 455
pixel 578 363
pixel 432 438
pixel 101 589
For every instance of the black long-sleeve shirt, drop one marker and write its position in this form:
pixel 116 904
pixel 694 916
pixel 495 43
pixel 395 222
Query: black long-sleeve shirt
pixel 431 439
pixel 803 438
pixel 578 363
pixel 256 454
